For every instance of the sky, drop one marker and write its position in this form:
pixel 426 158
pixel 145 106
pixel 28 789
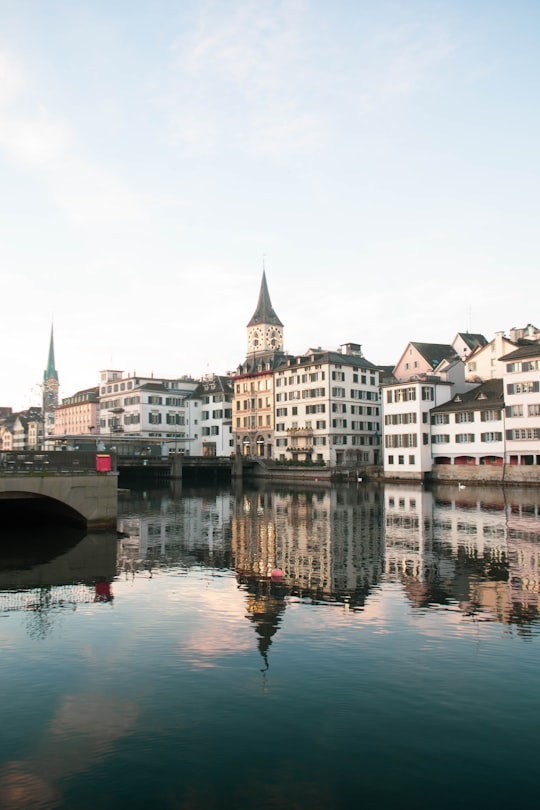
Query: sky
pixel 380 160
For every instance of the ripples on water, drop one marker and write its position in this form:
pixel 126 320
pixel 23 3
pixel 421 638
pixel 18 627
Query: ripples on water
pixel 394 662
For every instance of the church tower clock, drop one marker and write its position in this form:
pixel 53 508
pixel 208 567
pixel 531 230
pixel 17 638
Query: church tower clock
pixel 265 330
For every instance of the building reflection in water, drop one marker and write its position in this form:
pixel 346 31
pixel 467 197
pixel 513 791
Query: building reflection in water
pixel 328 545
pixel 474 549
pixel 477 547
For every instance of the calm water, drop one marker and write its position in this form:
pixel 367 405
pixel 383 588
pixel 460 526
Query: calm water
pixel 395 664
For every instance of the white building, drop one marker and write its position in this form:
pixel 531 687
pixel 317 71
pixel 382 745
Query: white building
pixel 522 398
pixel 215 437
pixel 327 408
pixel 466 342
pixel 469 429
pixel 406 410
pixel 133 406
pixel 484 362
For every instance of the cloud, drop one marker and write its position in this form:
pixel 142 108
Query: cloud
pixel 240 81
pixel 396 60
pixel 41 140
pixel 11 78
pixel 271 81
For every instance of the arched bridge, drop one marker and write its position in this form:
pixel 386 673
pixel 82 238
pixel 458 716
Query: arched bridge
pixel 64 487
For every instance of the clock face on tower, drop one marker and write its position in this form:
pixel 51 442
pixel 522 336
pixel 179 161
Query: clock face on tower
pixel 273 338
pixel 256 339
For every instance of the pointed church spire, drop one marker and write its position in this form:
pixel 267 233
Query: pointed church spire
pixel 50 389
pixel 264 313
pixel 50 372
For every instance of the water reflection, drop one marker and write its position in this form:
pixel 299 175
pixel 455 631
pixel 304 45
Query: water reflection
pixel 477 548
pixel 363 606
pixel 54 573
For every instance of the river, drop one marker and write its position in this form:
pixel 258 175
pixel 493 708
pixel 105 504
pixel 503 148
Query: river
pixel 275 648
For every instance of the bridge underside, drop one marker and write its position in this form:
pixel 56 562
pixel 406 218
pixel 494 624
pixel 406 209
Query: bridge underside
pixel 89 499
pixel 29 509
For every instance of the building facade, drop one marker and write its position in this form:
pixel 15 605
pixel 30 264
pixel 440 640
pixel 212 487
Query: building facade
pixel 78 415
pixel 469 429
pixel 327 408
pixel 133 406
pixel 521 381
pixel 215 437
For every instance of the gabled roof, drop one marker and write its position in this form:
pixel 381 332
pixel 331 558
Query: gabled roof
pixel 433 353
pixel 264 312
pixel 488 394
pixel 529 350
pixel 473 340
pixel 219 383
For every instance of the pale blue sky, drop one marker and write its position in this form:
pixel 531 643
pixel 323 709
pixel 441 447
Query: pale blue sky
pixel 382 156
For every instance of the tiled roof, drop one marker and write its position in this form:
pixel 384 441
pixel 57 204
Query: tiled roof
pixel 488 394
pixel 530 350
pixel 264 312
pixel 473 340
pixel 433 353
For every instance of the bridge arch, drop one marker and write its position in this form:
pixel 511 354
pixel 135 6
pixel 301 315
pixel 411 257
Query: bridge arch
pixel 89 500
pixel 20 507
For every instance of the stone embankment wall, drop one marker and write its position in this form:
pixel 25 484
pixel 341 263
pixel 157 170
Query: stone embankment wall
pixel 485 474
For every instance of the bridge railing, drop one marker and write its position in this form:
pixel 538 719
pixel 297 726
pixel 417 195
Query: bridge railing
pixel 55 461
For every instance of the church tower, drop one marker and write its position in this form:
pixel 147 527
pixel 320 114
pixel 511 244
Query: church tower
pixel 50 389
pixel 265 330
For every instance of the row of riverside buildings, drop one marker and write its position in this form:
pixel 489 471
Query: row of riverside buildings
pixel 471 402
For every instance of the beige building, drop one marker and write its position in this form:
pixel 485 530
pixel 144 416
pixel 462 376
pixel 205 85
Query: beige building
pixel 77 415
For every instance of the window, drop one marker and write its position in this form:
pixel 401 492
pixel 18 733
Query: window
pixel 400 419
pixel 464 438
pixel 339 439
pixel 400 440
pixel 515 410
pixel 531 387
pixel 338 392
pixel 441 438
pixel 493 415
pixel 154 418
pixel 412 460
pixel 464 416
pixel 427 393
pixel 491 437
pixel 523 434
pixel 154 400
pixel 175 419
pixel 390 459
pixel 534 410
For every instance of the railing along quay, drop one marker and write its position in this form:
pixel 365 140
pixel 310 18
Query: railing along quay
pixel 55 461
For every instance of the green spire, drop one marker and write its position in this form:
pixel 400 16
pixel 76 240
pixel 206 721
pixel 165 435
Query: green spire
pixel 50 372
